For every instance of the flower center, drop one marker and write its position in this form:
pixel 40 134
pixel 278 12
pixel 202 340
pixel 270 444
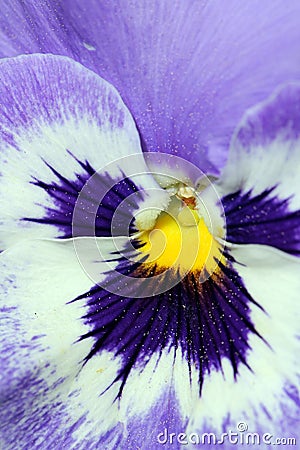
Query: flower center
pixel 180 238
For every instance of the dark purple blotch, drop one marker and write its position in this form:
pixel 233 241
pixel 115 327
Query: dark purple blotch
pixel 96 203
pixel 206 321
pixel 262 219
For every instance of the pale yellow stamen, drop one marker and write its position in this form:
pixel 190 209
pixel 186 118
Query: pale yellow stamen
pixel 181 240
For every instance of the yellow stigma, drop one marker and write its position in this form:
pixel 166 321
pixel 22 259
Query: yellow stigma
pixel 181 240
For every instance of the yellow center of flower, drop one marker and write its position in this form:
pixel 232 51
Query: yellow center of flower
pixel 181 240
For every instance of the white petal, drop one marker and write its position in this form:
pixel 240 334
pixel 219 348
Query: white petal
pixel 265 150
pixel 56 114
pixel 260 398
pixel 49 400
pixel 41 359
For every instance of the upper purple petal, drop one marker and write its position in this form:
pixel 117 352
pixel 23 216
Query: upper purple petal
pixel 187 70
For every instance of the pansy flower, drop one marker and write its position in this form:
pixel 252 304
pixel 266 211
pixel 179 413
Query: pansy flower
pixel 150 224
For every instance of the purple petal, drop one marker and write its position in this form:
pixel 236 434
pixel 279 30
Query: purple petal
pixel 60 125
pixel 187 70
pixel 260 184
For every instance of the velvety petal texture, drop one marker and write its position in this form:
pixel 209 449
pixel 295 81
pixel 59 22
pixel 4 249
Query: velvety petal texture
pixel 49 397
pixel 94 353
pixel 260 186
pixel 33 329
pixel 187 70
pixel 60 124
pixel 266 397
pixel 56 397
